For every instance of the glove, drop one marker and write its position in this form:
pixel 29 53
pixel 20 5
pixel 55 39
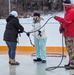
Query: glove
pixel 39 33
pixel 61 30
pixel 53 16
pixel 28 34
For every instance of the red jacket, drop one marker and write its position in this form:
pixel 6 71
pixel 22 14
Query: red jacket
pixel 67 22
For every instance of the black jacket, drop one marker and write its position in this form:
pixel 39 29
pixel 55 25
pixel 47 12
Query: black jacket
pixel 13 27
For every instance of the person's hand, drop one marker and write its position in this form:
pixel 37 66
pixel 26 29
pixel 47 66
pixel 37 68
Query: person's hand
pixel 61 30
pixel 39 33
pixel 28 34
pixel 53 16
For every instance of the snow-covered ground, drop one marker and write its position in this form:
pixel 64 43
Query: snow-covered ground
pixel 29 20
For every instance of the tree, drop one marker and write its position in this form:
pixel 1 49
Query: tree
pixel 3 8
pixel 30 5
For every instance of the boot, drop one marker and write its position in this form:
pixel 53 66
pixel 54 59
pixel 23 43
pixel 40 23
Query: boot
pixel 37 60
pixel 43 61
pixel 67 65
pixel 13 62
pixel 9 60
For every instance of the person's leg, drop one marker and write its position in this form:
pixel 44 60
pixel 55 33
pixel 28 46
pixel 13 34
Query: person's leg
pixel 9 51
pixel 36 42
pixel 70 49
pixel 13 49
pixel 66 42
pixel 12 46
pixel 72 54
pixel 42 44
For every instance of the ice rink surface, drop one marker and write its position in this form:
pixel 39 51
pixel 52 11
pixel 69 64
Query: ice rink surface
pixel 28 67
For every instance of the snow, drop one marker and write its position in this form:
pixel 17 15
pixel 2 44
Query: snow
pixel 72 1
pixel 29 20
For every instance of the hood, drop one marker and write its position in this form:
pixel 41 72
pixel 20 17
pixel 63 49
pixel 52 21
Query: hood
pixel 68 8
pixel 10 18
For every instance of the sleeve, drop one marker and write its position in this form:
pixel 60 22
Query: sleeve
pixel 42 25
pixel 68 19
pixel 19 27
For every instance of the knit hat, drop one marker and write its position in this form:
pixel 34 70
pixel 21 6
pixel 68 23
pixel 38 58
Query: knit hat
pixel 14 13
pixel 36 14
pixel 67 2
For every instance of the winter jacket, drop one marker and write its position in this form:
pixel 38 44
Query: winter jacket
pixel 67 22
pixel 37 26
pixel 12 29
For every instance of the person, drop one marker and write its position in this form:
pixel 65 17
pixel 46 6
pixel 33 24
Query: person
pixel 39 38
pixel 67 27
pixel 13 28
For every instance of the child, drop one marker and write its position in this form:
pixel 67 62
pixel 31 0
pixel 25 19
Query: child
pixel 39 38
